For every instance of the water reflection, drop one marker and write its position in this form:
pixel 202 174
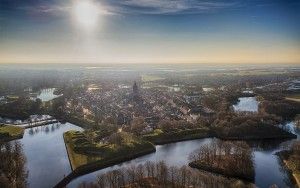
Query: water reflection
pixel 48 163
pixel 268 170
pixel 47 159
pixel 175 154
pixel 274 144
pixel 45 128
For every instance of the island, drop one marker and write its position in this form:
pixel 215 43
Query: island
pixel 88 155
pixel 230 159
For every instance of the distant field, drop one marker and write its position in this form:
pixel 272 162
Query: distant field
pixel 295 97
pixel 151 78
pixel 250 73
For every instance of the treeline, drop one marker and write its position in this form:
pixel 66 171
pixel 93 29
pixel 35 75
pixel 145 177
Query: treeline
pixel 233 159
pixel 15 81
pixel 285 109
pixel 249 126
pixel 21 108
pixel 13 173
pixel 160 175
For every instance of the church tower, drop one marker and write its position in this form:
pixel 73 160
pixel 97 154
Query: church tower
pixel 135 90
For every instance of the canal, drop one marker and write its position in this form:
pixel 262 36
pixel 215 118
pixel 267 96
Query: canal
pixel 47 160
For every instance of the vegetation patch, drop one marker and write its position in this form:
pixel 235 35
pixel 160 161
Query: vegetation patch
pixel 13 173
pixel 160 175
pixel 250 127
pixel 85 154
pixel 286 109
pixel 75 159
pixel 151 78
pixel 291 160
pixel 293 97
pixel 21 108
pixel 84 123
pixel 10 132
pixel 160 137
pixel 226 158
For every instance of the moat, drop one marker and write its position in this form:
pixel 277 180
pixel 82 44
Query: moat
pixel 48 165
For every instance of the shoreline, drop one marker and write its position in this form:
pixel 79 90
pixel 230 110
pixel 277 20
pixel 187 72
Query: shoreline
pixel 176 137
pixel 159 143
pixel 91 167
pixel 68 153
pixel 254 138
pixel 292 175
pixel 10 132
pixel 95 166
pixel 12 138
pixel 217 171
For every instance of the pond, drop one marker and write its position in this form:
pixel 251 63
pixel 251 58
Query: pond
pixel 47 94
pixel 45 151
pixel 268 170
pixel 246 104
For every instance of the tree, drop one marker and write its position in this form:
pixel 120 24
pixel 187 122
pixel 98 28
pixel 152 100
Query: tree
pixel 13 173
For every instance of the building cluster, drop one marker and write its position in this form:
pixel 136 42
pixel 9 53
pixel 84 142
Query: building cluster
pixel 121 105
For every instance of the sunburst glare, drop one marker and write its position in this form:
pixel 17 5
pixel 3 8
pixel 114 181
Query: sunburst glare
pixel 86 13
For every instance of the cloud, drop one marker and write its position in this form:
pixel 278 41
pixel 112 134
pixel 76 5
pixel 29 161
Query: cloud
pixel 33 7
pixel 45 8
pixel 168 6
pixel 122 6
pixel 159 7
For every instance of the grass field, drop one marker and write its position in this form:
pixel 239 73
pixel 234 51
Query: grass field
pixel 291 159
pixel 151 78
pixel 159 137
pixel 294 97
pixel 76 159
pixel 82 152
pixel 10 132
pixel 295 173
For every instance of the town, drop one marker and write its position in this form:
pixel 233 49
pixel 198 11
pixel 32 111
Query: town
pixel 112 120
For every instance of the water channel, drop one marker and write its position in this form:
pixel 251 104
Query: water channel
pixel 48 163
pixel 45 151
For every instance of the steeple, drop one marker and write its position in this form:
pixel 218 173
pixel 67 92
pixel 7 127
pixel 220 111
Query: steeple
pixel 135 89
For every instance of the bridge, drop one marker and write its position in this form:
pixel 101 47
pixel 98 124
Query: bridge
pixel 38 123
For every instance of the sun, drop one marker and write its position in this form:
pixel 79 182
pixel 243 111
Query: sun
pixel 85 13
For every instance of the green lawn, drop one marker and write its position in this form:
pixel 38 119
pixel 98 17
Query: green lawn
pixel 151 78
pixel 294 97
pixel 160 137
pixel 82 152
pixel 75 159
pixel 296 174
pixel 10 132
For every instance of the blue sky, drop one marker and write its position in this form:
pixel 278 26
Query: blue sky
pixel 158 31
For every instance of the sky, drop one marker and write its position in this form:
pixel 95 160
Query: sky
pixel 150 31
